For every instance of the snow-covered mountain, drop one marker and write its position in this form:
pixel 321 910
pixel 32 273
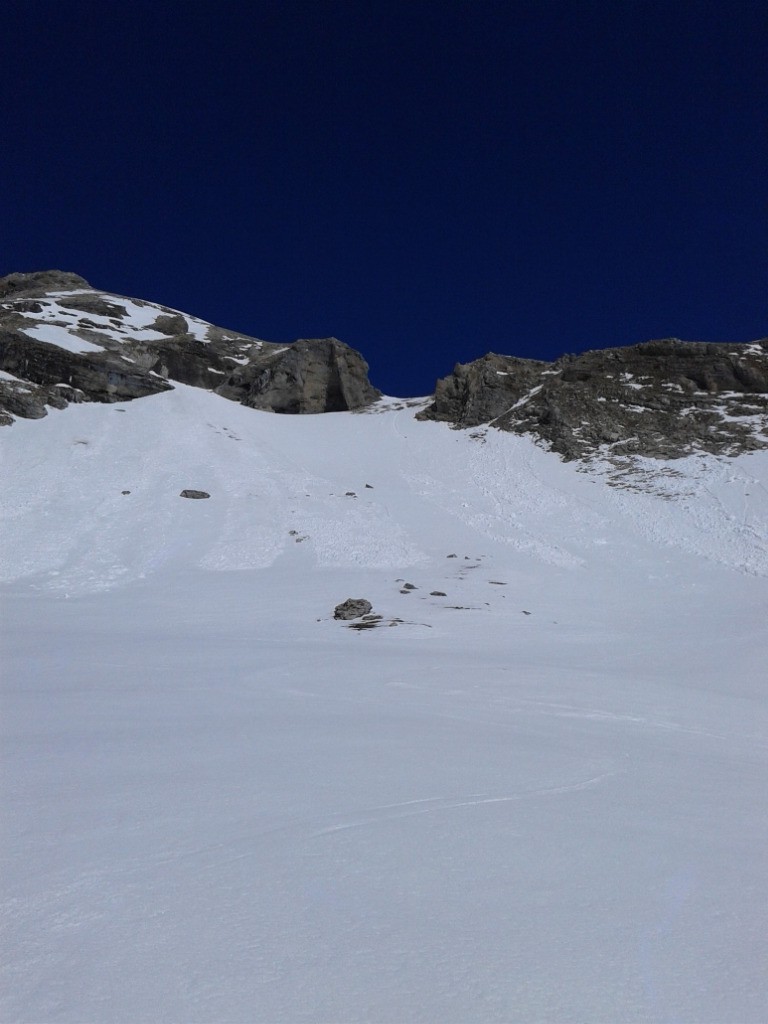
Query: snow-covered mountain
pixel 532 790
pixel 63 341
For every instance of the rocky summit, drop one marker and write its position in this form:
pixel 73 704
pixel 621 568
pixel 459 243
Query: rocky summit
pixel 63 341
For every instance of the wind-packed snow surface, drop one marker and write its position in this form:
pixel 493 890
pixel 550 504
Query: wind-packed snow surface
pixel 540 797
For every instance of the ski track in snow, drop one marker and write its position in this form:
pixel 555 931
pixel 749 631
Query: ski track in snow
pixel 536 797
pixel 447 805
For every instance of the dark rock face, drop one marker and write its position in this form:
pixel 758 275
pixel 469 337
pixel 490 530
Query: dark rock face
pixel 311 376
pixel 481 391
pixel 97 378
pixel 352 608
pixel 62 341
pixel 662 399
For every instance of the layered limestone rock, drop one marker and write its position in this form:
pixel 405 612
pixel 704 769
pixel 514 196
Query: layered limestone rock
pixel 662 399
pixel 63 341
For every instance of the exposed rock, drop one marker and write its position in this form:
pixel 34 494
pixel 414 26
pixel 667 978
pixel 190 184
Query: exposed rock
pixel 352 608
pixel 63 341
pixel 171 324
pixel 96 377
pixel 309 376
pixel 135 348
pixel 479 392
pixel 18 399
pixel 189 493
pixel 39 282
pixel 662 399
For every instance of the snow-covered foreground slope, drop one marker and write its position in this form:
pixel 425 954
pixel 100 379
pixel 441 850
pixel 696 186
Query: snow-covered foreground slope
pixel 538 797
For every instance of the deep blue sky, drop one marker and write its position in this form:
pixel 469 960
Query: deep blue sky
pixel 427 181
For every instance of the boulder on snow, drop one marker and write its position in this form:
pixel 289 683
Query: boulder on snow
pixel 194 494
pixel 352 608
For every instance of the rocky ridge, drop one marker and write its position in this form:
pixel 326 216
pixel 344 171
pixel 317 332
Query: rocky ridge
pixel 63 341
pixel 661 399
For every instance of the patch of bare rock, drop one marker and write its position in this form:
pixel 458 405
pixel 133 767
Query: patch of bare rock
pixel 122 360
pixel 662 399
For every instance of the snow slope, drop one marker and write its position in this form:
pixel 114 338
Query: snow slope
pixel 538 797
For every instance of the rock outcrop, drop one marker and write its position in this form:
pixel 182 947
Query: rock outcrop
pixel 63 341
pixel 311 376
pixel 40 283
pixel 73 376
pixel 662 399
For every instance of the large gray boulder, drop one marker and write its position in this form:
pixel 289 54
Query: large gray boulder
pixel 310 376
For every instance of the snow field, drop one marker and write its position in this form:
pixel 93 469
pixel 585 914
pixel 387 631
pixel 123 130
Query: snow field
pixel 536 798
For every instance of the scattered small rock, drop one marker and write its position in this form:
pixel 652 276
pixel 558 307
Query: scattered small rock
pixel 125 492
pixel 352 608
pixel 525 612
pixel 374 622
pixel 409 586
pixel 437 593
pixel 350 494
pixel 451 556
pixel 194 494
pixel 498 583
pixel 370 488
